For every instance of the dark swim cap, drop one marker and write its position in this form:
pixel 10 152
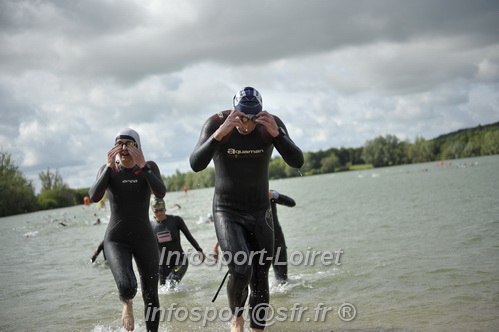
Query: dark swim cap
pixel 248 100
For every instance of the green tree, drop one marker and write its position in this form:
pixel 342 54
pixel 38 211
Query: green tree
pixel 17 194
pixel 385 151
pixel 381 151
pixel 312 162
pixel 421 151
pixel 205 178
pixel 53 199
pixel 79 194
pixel 277 168
pixel 329 163
pixel 490 143
pixel 177 181
pixel 453 149
pixel 471 149
pixel 55 193
pixel 52 181
pixel 373 152
pixel 291 172
pixel 402 153
pixel 350 156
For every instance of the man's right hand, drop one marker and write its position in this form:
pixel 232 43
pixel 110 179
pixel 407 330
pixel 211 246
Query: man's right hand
pixel 230 123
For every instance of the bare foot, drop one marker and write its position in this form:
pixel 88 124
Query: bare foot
pixel 127 316
pixel 237 324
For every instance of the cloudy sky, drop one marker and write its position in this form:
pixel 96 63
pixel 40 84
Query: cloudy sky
pixel 338 73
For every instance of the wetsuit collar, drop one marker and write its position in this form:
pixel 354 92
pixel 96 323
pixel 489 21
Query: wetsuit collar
pixel 133 169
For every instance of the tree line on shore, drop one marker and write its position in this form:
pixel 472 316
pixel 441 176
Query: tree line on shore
pixel 381 151
pixel 17 194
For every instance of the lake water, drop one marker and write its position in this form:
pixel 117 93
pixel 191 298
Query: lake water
pixel 411 248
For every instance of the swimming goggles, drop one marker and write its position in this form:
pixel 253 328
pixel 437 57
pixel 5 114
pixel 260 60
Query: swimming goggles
pixel 128 143
pixel 248 117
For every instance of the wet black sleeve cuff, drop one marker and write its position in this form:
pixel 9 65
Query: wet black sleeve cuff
pixel 147 168
pixel 281 135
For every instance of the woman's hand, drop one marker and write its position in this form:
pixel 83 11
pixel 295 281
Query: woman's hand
pixel 137 155
pixel 111 155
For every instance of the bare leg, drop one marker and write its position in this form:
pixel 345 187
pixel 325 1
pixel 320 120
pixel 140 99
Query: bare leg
pixel 237 324
pixel 127 316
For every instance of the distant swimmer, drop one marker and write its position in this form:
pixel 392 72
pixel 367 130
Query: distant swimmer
pixel 209 218
pixel 129 234
pixel 167 228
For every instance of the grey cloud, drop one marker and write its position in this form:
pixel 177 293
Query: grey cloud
pixel 72 73
pixel 117 41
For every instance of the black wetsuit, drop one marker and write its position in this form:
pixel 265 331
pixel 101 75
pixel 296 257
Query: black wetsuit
pixel 241 206
pixel 173 261
pixel 129 232
pixel 280 261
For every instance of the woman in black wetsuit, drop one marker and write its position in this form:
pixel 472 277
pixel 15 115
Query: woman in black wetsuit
pixel 241 142
pixel 173 261
pixel 129 184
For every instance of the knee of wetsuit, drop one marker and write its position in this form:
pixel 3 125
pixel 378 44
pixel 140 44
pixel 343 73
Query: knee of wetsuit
pixel 127 292
pixel 241 272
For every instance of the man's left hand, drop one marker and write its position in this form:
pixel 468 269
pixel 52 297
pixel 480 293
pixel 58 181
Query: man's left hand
pixel 267 120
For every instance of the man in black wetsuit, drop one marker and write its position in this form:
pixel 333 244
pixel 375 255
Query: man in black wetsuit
pixel 280 261
pixel 173 261
pixel 241 142
pixel 129 184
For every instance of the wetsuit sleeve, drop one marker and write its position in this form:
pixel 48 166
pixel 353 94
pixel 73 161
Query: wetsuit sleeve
pixel 206 146
pixel 291 153
pixel 183 227
pixel 98 189
pixel 154 180
pixel 285 200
